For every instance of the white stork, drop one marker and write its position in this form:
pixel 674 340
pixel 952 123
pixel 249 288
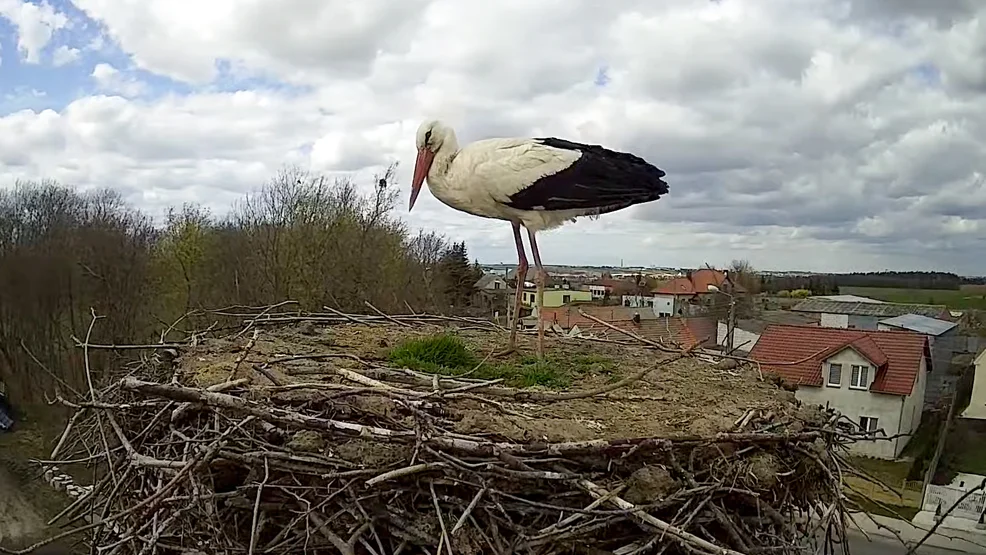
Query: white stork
pixel 537 183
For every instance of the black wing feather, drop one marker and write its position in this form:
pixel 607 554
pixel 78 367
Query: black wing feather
pixel 600 181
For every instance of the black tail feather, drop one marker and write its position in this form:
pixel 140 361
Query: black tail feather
pixel 600 181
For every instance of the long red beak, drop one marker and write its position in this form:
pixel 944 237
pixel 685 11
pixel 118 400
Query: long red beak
pixel 421 166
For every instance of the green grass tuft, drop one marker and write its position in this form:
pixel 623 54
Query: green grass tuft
pixel 443 354
pixel 448 354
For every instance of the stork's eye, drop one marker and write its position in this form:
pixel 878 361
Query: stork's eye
pixel 428 136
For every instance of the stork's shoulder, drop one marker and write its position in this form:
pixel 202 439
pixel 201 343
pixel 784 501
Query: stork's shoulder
pixel 517 154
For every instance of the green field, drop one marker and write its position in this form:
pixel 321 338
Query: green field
pixel 967 297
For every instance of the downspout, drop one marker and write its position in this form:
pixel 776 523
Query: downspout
pixel 900 420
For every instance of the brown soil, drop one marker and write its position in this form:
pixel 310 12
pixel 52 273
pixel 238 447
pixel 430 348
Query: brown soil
pixel 687 397
pixel 19 520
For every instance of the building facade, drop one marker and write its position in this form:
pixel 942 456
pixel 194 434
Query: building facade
pixel 875 379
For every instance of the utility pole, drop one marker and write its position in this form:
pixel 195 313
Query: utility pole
pixel 730 316
pixel 730 324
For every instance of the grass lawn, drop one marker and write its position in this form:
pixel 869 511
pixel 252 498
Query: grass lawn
pixel 885 509
pixel 876 499
pixel 891 472
pixel 969 297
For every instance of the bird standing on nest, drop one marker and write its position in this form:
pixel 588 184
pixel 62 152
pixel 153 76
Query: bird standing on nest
pixel 538 183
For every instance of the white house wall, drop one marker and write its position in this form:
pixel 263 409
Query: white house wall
pixel 664 305
pixel 914 405
pixel 854 403
pixel 834 320
pixel 977 404
pixel 742 339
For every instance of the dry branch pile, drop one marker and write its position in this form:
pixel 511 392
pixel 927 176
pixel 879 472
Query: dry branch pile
pixel 299 438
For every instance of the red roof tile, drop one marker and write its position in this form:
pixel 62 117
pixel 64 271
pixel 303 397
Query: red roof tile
pixel 615 286
pixel 683 332
pixel 568 315
pixel 796 353
pixel 697 283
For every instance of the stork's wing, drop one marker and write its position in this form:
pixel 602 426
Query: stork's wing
pixel 554 174
pixel 505 167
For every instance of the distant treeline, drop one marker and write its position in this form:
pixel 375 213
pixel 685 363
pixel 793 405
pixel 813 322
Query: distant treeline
pixel 66 255
pixel 828 284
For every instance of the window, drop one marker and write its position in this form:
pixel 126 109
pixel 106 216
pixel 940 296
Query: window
pixel 867 423
pixel 860 378
pixel 835 375
pixel 496 285
pixel 565 299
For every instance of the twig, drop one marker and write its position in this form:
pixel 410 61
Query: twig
pixel 256 508
pixel 685 538
pixel 378 311
pixel 468 511
pixel 441 519
pixel 243 355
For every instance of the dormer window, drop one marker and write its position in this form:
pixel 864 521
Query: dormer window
pixel 835 375
pixel 859 377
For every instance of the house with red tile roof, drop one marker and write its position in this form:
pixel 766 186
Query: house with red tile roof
pixel 676 296
pixel 876 379
pixel 610 287
pixel 672 331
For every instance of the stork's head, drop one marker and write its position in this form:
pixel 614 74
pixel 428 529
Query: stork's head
pixel 429 139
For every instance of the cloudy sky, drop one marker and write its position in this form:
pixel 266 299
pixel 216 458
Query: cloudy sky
pixel 799 134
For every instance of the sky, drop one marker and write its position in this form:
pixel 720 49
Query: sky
pixel 824 135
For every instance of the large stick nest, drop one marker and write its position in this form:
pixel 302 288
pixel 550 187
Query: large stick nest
pixel 294 435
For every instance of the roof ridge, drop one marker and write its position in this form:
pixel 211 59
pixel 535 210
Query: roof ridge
pixel 842 330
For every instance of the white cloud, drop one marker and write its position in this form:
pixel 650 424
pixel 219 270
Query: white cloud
pixel 35 24
pixel 820 134
pixel 109 79
pixel 64 55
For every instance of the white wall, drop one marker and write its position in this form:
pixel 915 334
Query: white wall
pixel 637 301
pixel 834 320
pixel 742 339
pixel 854 403
pixel 664 305
pixel 977 404
pixel 914 405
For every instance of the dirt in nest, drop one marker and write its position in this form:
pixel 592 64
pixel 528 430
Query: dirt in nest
pixel 687 397
pixel 370 453
pixel 763 470
pixel 648 484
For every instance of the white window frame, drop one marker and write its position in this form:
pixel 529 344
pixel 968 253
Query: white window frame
pixel 870 421
pixel 860 380
pixel 828 378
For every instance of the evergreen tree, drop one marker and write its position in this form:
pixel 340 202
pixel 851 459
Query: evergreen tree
pixel 458 275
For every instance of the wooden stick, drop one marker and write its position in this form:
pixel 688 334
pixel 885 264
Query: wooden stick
pixel 272 415
pixel 685 538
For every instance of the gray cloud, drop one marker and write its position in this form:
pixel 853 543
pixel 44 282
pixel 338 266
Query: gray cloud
pixel 815 135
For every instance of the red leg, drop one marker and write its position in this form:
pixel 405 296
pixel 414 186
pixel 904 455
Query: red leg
pixel 519 294
pixel 541 278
